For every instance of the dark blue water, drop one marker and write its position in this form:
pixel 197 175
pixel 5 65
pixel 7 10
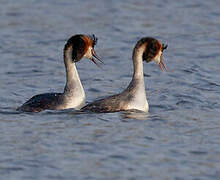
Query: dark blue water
pixel 178 139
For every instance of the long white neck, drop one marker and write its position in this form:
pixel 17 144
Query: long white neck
pixel 138 63
pixel 137 87
pixel 73 89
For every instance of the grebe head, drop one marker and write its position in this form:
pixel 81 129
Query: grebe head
pixel 153 51
pixel 83 46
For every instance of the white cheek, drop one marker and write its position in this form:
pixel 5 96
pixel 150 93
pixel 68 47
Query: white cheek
pixel 157 58
pixel 88 54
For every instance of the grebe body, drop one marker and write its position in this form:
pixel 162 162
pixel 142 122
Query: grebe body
pixel 134 96
pixel 76 48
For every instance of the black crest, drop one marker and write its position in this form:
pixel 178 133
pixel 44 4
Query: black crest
pixel 78 46
pixel 164 46
pixel 151 50
pixel 94 40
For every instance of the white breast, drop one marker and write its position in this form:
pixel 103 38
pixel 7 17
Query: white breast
pixel 139 101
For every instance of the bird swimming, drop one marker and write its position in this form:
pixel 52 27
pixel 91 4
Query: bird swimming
pixel 77 47
pixel 134 96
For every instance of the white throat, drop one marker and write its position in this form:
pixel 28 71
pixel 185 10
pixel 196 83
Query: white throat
pixel 139 100
pixel 73 92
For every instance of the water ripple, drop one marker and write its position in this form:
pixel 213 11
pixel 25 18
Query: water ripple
pixel 179 134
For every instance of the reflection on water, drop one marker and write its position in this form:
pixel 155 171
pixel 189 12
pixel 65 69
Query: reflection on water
pixel 138 115
pixel 179 137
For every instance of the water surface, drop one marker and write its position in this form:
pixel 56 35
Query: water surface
pixel 178 138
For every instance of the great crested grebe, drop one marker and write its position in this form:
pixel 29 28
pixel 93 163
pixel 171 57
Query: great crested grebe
pixel 134 96
pixel 77 47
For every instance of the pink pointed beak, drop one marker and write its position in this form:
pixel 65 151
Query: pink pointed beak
pixel 162 65
pixel 95 57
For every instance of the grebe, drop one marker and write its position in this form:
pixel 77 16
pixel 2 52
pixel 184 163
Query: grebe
pixel 77 47
pixel 134 96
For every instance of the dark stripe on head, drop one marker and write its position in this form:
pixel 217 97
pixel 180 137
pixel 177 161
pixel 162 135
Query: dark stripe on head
pixel 78 47
pixel 152 48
